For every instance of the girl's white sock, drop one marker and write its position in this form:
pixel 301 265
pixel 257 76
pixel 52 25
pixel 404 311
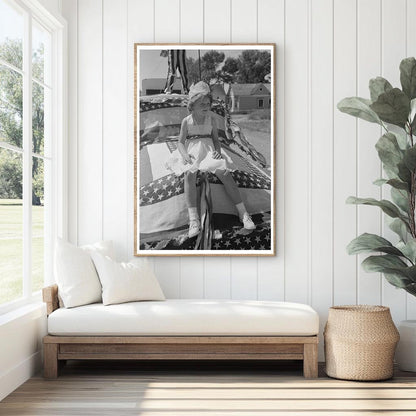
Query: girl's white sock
pixel 241 208
pixel 193 213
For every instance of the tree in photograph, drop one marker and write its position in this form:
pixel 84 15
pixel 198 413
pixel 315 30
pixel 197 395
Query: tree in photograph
pixel 205 70
pixel 192 66
pixel 11 116
pixel 210 63
pixel 229 71
pixel 254 65
pixel 251 66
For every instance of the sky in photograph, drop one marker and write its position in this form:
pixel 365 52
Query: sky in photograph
pixel 152 65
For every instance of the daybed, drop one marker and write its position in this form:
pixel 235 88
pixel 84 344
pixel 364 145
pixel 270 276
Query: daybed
pixel 181 329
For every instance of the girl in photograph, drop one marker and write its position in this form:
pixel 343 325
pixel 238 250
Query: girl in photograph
pixel 199 149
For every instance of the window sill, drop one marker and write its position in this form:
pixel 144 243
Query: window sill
pixel 34 306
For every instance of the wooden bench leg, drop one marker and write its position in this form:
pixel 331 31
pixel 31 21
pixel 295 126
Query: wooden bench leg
pixel 310 360
pixel 50 360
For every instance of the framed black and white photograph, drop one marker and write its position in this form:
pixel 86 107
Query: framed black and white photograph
pixel 204 149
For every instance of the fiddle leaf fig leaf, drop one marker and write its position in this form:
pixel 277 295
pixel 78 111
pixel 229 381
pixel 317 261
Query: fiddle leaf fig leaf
pixel 400 228
pixel 389 151
pixel 390 173
pixel 408 77
pixel 398 184
pixel 412 109
pixel 400 198
pixel 411 289
pixel 411 273
pixel 397 280
pixel 395 183
pixel 378 86
pixel 381 263
pixel 392 107
pixel 412 116
pixel 380 182
pixel 401 139
pixel 366 243
pixel 408 249
pixel 388 207
pixel 396 271
pixel 404 173
pixel 359 107
pixel 410 158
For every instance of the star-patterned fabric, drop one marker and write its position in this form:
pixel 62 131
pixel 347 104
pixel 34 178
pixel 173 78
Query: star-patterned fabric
pixel 172 185
pixel 229 239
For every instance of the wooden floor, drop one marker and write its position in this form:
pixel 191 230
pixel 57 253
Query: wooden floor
pixel 192 389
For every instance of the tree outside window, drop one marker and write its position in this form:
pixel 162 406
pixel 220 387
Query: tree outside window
pixel 14 227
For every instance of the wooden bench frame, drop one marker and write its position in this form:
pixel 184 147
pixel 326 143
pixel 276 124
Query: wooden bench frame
pixel 58 349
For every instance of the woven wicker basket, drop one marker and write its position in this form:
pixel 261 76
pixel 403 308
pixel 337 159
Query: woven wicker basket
pixel 360 341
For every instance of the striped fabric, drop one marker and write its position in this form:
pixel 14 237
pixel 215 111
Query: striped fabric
pixel 177 61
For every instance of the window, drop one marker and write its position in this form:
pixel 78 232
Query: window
pixel 31 139
pixel 260 103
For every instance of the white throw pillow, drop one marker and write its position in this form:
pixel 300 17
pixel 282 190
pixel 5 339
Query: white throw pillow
pixel 103 247
pixel 75 273
pixel 126 282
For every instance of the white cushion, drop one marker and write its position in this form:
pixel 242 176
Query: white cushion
pixel 75 273
pixel 126 282
pixel 180 317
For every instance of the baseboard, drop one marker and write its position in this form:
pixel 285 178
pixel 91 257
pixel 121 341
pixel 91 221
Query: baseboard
pixel 10 380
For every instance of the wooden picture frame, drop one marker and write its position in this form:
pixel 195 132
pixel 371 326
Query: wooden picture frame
pixel 228 166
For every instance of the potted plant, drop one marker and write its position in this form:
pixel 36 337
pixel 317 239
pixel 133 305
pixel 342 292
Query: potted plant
pixel 394 109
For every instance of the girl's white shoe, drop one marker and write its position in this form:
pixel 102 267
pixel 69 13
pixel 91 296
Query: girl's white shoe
pixel 248 222
pixel 194 228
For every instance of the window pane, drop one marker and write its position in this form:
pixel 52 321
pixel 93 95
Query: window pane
pixel 11 226
pixel 38 230
pixel 38 118
pixel 11 34
pixel 41 46
pixel 11 107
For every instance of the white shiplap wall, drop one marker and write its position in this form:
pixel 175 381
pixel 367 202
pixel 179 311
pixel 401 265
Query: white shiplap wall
pixel 326 50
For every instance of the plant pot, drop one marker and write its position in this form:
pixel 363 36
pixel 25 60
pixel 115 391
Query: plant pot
pixel 360 341
pixel 406 350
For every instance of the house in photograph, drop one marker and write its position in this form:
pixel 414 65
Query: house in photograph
pixel 248 97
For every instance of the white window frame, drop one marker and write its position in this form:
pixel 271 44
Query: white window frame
pixel 258 102
pixel 58 211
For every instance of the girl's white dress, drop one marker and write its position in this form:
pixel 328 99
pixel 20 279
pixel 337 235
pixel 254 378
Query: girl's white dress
pixel 200 146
